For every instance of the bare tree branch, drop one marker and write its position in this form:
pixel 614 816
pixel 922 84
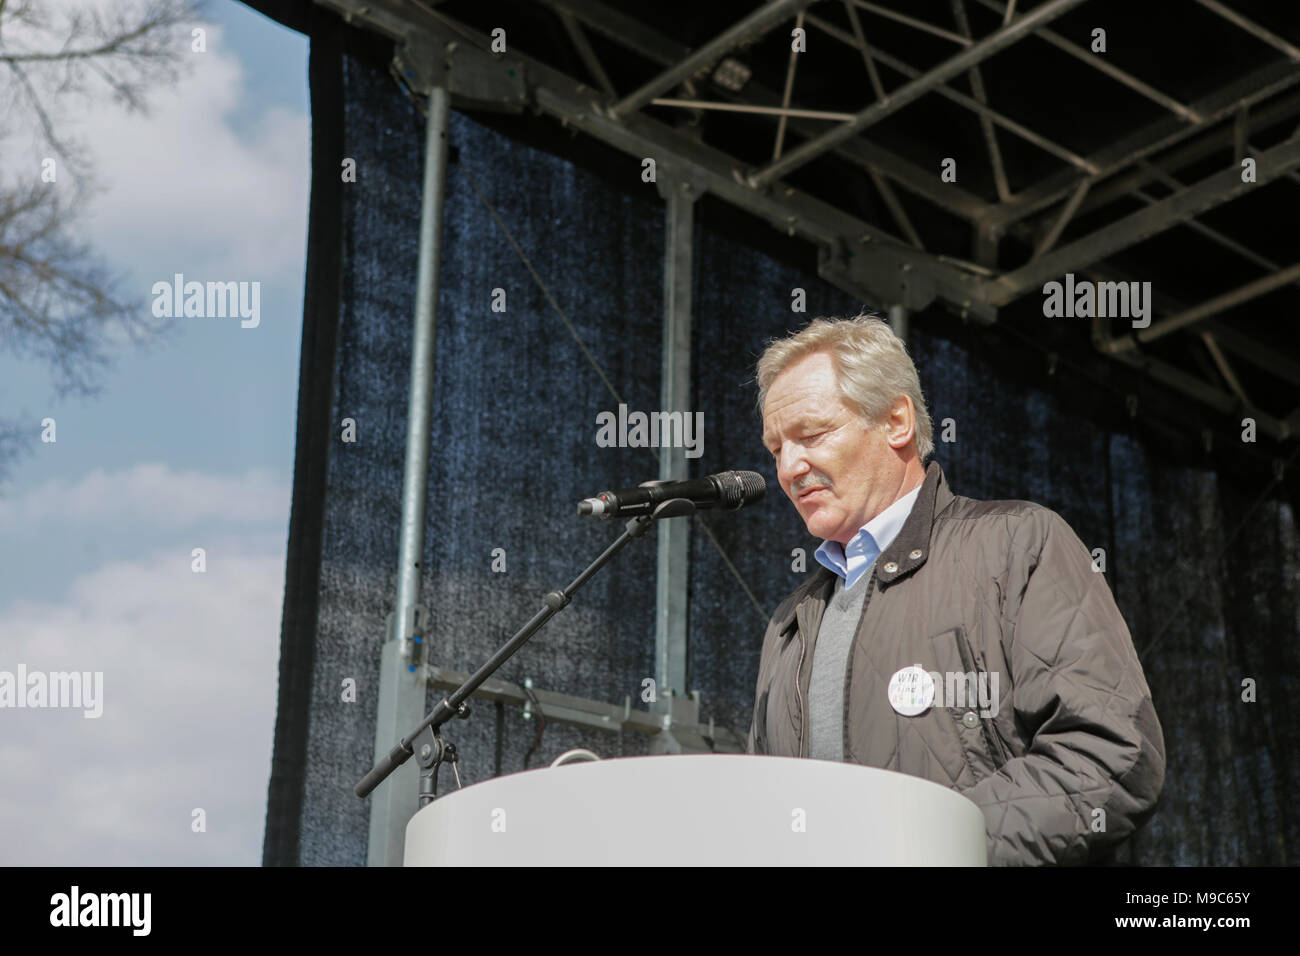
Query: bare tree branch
pixel 66 55
pixel 58 303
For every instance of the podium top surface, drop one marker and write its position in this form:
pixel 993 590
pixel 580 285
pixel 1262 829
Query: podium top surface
pixel 702 809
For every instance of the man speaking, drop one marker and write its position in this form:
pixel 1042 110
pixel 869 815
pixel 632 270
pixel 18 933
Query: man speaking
pixel 967 642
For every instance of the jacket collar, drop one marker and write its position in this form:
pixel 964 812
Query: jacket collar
pixel 907 552
pixel 911 548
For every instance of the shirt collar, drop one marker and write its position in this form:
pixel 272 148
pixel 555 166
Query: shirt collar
pixel 872 539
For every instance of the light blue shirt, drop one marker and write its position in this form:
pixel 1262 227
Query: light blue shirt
pixel 875 536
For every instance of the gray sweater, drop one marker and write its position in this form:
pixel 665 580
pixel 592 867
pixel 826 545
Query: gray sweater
pixel 830 659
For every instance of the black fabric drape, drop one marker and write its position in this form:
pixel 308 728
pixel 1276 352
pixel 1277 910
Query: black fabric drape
pixel 1204 569
pixel 315 391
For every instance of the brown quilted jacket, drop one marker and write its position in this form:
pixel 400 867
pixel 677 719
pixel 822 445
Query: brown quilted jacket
pixel 1069 759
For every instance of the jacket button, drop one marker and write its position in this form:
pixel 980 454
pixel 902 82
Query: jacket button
pixel 915 554
pixel 970 719
pixel 890 567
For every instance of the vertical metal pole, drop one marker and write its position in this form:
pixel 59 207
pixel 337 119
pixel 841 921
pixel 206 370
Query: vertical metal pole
pixel 898 321
pixel 984 247
pixel 402 676
pixel 675 394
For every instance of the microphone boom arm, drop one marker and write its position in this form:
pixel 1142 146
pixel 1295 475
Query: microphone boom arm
pixel 455 705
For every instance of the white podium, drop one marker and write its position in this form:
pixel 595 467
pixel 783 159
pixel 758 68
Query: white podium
pixel 699 810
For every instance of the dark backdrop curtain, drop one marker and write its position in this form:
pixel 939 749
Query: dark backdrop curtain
pixel 514 448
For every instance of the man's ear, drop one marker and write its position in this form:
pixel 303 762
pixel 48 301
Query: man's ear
pixel 900 429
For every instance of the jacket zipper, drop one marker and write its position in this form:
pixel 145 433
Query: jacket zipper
pixel 803 646
pixel 798 691
pixel 848 667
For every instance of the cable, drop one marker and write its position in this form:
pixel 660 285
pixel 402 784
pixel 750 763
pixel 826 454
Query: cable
pixel 765 617
pixel 1263 495
pixel 541 724
pixel 1178 564
pixel 422 108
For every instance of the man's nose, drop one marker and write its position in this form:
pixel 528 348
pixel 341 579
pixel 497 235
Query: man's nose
pixel 791 466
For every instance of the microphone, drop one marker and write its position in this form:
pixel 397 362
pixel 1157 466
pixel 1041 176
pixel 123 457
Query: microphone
pixel 727 489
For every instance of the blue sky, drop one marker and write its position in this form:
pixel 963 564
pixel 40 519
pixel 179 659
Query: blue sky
pixel 188 444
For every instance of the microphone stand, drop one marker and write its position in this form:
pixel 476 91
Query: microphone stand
pixel 433 750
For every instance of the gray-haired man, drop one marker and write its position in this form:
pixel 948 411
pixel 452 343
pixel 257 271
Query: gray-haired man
pixel 1041 714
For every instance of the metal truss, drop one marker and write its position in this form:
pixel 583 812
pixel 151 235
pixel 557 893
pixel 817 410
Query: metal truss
pixel 449 62
pixel 887 264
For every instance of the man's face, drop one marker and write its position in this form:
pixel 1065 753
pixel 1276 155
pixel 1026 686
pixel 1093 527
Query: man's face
pixel 838 474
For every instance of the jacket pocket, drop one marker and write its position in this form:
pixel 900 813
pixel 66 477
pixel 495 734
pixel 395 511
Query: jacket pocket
pixel 977 733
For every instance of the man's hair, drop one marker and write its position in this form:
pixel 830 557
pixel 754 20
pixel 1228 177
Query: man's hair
pixel 871 364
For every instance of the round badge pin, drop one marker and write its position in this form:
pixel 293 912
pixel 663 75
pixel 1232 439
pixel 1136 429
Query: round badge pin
pixel 911 691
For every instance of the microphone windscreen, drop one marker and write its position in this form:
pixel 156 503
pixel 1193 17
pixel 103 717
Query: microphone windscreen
pixel 741 488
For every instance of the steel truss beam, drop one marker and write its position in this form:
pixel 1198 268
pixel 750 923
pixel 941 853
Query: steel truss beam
pixel 856 256
pixel 976 78
pixel 753 26
pixel 1220 105
pixel 1224 336
pixel 1252 350
pixel 1253 28
pixel 663 50
pixel 857 252
pixel 1192 201
pixel 787 90
pixel 785 112
pixel 1208 143
pixel 972 55
pixel 860 39
pixel 912 22
pixel 586 53
pixel 1210 233
pixel 982 110
pixel 1101 64
pixel 1207 309
pixel 1047 239
pixel 1203 392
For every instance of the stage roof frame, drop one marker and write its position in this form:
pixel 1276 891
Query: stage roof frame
pixel 1089 212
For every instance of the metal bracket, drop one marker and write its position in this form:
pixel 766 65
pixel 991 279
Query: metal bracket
pixel 667 179
pixel 476 80
pixel 882 274
pixel 680 719
pixel 673 718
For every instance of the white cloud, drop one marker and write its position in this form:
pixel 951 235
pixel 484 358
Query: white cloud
pixel 212 183
pixel 181 189
pixel 189 695
pixel 151 495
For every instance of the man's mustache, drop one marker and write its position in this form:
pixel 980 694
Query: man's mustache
pixel 811 482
